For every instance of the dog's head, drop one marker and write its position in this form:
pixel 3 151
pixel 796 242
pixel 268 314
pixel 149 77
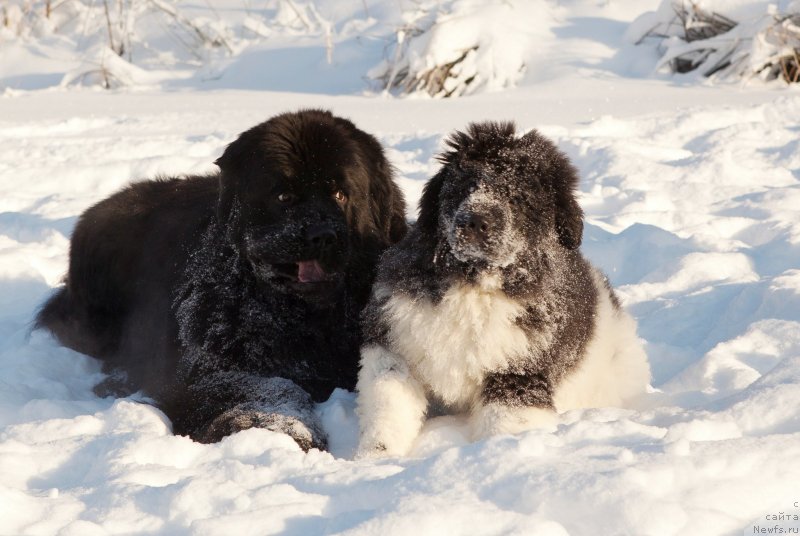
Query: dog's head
pixel 498 195
pixel 304 196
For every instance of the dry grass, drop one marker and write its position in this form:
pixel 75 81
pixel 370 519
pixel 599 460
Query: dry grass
pixel 784 35
pixel 435 80
pixel 772 53
pixel 440 81
pixel 699 25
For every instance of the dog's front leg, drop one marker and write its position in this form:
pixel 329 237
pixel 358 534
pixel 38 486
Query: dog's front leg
pixel 513 403
pixel 239 400
pixel 391 404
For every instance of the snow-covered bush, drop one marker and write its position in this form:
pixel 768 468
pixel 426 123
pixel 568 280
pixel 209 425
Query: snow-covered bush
pixel 727 39
pixel 148 35
pixel 26 19
pixel 776 51
pixel 120 23
pixel 146 32
pixel 447 49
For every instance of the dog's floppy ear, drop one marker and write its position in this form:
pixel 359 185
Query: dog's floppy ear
pixel 428 219
pixel 231 165
pixel 456 144
pixel 387 200
pixel 387 196
pixel 227 194
pixel 393 202
pixel 563 179
pixel 568 213
pixel 398 226
pixel 569 218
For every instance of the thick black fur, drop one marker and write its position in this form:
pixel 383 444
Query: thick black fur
pixel 531 184
pixel 191 286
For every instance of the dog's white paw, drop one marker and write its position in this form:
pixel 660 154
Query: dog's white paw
pixel 391 404
pixel 495 419
pixel 390 442
pixel 373 451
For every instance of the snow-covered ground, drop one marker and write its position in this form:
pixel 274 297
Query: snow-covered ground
pixel 692 197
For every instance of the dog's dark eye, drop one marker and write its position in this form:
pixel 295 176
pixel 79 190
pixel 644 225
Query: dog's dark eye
pixel 287 198
pixel 340 197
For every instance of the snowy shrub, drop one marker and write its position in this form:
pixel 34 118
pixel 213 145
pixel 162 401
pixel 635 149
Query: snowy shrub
pixel 460 47
pixel 115 20
pixel 776 51
pixel 102 66
pixel 731 39
pixel 136 31
pixel 27 19
pixel 152 34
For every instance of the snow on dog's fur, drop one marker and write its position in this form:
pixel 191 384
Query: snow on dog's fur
pixel 487 307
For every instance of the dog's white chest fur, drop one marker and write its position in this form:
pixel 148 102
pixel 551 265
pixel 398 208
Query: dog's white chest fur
pixel 450 346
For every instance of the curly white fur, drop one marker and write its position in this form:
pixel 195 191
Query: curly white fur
pixel 614 370
pixel 446 350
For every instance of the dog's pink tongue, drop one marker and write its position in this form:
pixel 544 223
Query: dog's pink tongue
pixel 310 272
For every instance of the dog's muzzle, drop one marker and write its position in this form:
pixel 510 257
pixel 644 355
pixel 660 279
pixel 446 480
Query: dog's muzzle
pixel 482 231
pixel 310 262
pixel 475 228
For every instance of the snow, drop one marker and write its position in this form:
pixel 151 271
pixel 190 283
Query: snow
pixel 691 191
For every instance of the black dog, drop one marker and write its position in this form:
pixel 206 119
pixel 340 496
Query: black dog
pixel 233 299
pixel 487 307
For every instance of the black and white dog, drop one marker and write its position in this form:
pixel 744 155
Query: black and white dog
pixel 487 307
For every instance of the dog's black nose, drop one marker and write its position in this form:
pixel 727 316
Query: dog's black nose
pixel 321 236
pixel 475 226
pixel 478 224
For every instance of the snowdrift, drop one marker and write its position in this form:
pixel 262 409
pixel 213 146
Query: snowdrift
pixel 693 215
